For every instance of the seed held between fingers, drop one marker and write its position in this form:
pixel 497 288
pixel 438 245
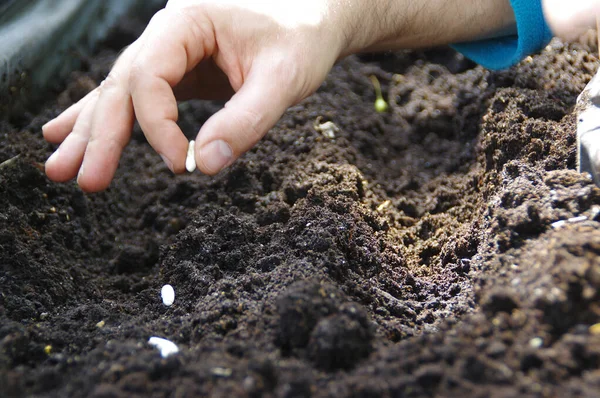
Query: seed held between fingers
pixel 190 160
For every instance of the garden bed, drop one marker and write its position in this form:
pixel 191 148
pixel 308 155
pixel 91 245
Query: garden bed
pixel 413 253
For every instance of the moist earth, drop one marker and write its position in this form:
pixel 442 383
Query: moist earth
pixel 411 253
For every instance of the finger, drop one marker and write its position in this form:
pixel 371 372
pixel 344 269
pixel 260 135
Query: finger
pixel 157 115
pixel 110 131
pixel 110 127
pixel 174 46
pixel 244 120
pixel 66 160
pixel 57 129
pixel 569 20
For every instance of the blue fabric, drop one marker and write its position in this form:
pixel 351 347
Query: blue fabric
pixel 533 34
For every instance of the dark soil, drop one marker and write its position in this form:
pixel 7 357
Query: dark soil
pixel 413 254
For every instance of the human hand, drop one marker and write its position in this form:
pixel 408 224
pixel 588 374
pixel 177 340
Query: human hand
pixel 266 52
pixel 569 20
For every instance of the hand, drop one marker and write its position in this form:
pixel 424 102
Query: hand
pixel 268 54
pixel 570 19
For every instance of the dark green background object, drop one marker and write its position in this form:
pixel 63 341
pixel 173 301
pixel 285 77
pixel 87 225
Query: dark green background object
pixel 39 41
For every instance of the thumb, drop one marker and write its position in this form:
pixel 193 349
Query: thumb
pixel 244 120
pixel 569 20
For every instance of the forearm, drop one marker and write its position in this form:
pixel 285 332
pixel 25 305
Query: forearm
pixel 395 24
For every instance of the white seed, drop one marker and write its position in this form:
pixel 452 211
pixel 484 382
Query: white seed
pixel 328 129
pixel 166 347
pixel 168 294
pixel 190 160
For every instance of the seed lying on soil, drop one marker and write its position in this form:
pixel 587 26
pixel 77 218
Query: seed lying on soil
pixel 190 160
pixel 328 129
pixel 168 295
pixel 166 347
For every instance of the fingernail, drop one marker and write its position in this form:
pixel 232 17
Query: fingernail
pixel 215 155
pixel 167 162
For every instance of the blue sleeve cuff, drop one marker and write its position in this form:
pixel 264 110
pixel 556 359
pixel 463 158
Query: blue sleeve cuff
pixel 533 34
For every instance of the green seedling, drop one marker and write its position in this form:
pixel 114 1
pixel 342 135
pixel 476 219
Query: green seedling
pixel 380 104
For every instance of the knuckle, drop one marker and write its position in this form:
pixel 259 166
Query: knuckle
pixel 159 14
pixel 135 75
pixel 289 72
pixel 111 81
pixel 250 122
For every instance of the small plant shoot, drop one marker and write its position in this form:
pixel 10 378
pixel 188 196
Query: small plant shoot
pixel 380 104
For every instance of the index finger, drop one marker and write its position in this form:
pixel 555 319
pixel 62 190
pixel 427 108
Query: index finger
pixel 175 44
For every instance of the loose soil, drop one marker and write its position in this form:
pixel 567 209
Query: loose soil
pixel 412 254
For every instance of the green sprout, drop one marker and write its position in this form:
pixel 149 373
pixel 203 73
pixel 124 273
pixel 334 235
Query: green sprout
pixel 380 104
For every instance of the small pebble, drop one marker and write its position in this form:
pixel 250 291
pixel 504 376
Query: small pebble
pixel 190 160
pixel 572 220
pixel 166 347
pixel 577 219
pixel 221 372
pixel 558 224
pixel 168 295
pixel 536 342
